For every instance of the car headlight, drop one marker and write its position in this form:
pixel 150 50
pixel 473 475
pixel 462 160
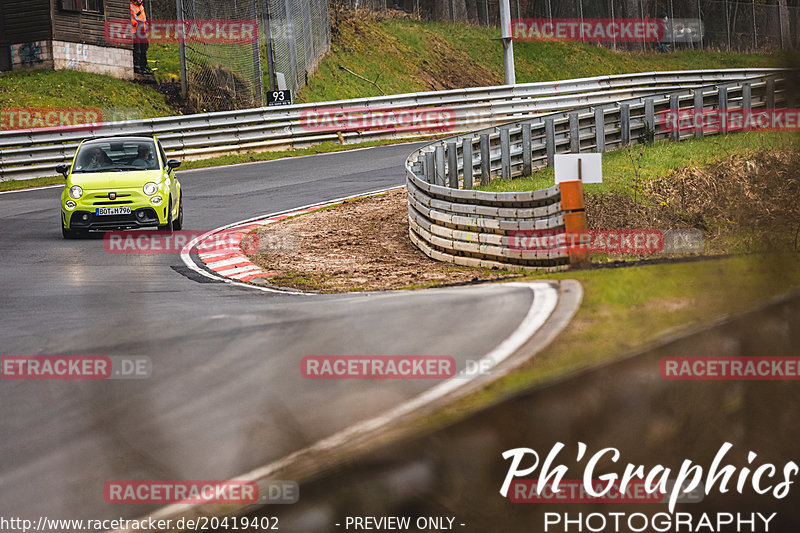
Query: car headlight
pixel 150 188
pixel 75 192
pixel 70 204
pixel 156 200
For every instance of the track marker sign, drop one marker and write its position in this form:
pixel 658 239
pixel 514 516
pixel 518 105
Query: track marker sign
pixel 276 98
pixel 587 168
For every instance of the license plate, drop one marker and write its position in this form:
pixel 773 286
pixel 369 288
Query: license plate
pixel 117 210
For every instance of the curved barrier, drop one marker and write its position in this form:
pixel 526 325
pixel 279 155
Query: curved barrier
pixel 35 153
pixel 451 222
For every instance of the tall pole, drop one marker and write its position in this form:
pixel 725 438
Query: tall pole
pixel 265 22
pixel 182 52
pixel 508 44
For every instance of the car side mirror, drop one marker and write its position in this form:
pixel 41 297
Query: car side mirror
pixel 173 163
pixel 63 168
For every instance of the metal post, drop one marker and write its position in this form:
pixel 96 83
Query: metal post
pixel 625 123
pixel 452 165
pixel 747 96
pixel 505 154
pixel 698 108
pixel 600 129
pixel 486 164
pixel 674 109
pixel 182 53
pixel 574 134
pixel 440 165
pixel 723 109
pixel 508 44
pixel 700 18
pixel 649 114
pixel 258 86
pixel 727 25
pixel 550 141
pixel 430 167
pixel 273 81
pixel 526 150
pixel 769 97
pixel 466 157
pixel 755 31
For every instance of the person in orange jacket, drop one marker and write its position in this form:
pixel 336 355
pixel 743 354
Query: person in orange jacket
pixel 140 44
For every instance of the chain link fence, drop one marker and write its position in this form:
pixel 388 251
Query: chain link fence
pixel 291 38
pixel 729 25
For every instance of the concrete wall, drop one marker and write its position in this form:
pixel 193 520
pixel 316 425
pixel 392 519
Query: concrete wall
pixel 59 55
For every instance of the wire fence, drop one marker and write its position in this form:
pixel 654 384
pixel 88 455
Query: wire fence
pixel 728 25
pixel 291 36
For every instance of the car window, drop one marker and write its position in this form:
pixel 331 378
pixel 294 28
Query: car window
pixel 116 156
pixel 163 154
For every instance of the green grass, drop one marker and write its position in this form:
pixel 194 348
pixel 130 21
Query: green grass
pixel 409 56
pixel 623 168
pixel 68 88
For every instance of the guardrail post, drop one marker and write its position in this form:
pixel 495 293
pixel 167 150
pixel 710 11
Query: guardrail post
pixel 574 134
pixel 573 207
pixel 527 169
pixel 698 109
pixel 722 93
pixel 625 123
pixel 769 97
pixel 486 163
pixel 440 165
pixel 505 153
pixel 674 111
pixel 650 114
pixel 550 141
pixel 600 129
pixel 466 157
pixel 452 165
pixel 430 167
pixel 747 96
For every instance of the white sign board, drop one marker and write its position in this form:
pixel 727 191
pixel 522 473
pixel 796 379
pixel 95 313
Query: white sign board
pixel 590 171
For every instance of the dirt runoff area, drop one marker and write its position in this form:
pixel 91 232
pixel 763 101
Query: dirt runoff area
pixel 360 245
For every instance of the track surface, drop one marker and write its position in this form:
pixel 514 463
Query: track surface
pixel 226 394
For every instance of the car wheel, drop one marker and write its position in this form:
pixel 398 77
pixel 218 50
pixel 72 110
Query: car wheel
pixel 168 227
pixel 70 234
pixel 178 223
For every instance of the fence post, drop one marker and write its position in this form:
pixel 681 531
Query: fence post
pixel 747 96
pixel 430 167
pixel 440 165
pixel 625 123
pixel 526 150
pixel 722 93
pixel 600 129
pixel 674 110
pixel 650 114
pixel 505 154
pixel 769 98
pixel 550 141
pixel 466 157
pixel 486 163
pixel 573 207
pixel 698 108
pixel 574 134
pixel 452 165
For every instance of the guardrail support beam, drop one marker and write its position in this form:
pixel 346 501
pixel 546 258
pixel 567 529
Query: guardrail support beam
pixel 674 110
pixel 550 141
pixel 698 108
pixel 769 97
pixel 722 93
pixel 625 123
pixel 452 165
pixel 600 129
pixel 440 165
pixel 527 169
pixel 430 167
pixel 486 167
pixel 747 96
pixel 466 156
pixel 505 154
pixel 574 134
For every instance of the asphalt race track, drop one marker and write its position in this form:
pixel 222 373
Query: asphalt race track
pixel 226 394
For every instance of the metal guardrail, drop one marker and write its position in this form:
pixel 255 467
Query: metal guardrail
pixel 30 153
pixel 451 222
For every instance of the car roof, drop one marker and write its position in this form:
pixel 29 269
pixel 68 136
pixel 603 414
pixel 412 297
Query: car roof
pixel 119 139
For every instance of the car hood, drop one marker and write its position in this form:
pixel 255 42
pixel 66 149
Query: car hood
pixel 129 179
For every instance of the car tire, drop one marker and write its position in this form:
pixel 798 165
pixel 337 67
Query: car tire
pixel 177 224
pixel 70 234
pixel 169 226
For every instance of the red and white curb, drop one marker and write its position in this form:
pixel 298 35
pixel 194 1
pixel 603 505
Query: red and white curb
pixel 228 262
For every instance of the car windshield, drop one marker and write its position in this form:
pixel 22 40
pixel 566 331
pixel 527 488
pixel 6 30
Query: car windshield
pixel 116 156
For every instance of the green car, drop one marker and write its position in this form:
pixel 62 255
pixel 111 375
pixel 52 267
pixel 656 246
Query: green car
pixel 120 183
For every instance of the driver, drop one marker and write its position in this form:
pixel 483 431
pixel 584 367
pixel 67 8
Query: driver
pixel 144 158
